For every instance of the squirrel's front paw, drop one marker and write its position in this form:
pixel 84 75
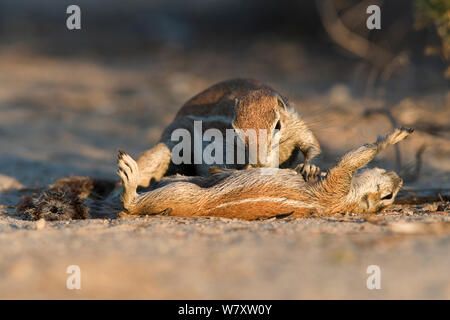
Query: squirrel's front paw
pixel 309 171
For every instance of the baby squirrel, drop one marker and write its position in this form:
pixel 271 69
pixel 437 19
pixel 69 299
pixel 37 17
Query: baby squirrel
pixel 237 104
pixel 248 194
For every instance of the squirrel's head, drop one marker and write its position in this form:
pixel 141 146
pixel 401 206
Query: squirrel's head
pixel 374 189
pixel 260 121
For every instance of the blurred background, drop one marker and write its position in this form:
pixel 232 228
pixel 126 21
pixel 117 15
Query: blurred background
pixel 70 98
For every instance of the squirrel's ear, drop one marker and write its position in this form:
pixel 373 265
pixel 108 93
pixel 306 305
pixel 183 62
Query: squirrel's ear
pixel 281 103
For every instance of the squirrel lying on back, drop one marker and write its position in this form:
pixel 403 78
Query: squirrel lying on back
pixel 249 194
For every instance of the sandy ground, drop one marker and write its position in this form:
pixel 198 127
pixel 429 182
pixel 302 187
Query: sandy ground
pixel 68 116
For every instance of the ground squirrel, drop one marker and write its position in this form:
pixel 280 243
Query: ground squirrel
pixel 235 104
pixel 248 194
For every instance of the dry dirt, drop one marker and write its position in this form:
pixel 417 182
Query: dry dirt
pixel 68 116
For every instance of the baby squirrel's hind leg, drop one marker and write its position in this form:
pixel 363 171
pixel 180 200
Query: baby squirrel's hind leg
pixel 129 173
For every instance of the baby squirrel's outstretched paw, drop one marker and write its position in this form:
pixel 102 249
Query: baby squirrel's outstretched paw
pixel 309 171
pixel 399 134
pixel 129 173
pixel 396 136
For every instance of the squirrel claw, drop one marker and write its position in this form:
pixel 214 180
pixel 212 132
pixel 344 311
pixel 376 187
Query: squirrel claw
pixel 309 171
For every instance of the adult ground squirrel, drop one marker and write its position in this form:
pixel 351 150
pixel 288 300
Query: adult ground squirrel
pixel 248 194
pixel 236 104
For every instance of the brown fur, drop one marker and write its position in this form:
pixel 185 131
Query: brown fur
pixel 252 194
pixel 69 198
pixel 232 104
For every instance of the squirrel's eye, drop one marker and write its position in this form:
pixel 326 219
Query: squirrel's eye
pixel 278 125
pixel 281 104
pixel 389 196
